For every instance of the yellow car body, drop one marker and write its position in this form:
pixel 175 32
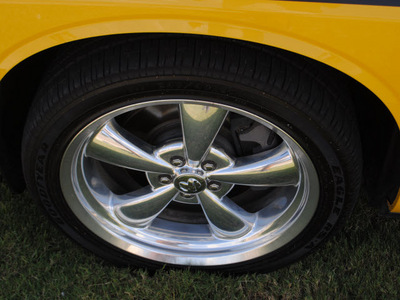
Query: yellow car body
pixel 362 41
pixel 358 38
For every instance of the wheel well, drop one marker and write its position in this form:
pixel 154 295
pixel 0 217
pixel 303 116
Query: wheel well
pixel 17 90
pixel 380 139
pixel 379 132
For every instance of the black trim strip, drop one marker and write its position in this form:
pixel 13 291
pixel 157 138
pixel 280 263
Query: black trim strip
pixel 359 2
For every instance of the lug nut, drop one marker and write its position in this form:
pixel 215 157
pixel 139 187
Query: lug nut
pixel 209 165
pixel 177 161
pixel 165 179
pixel 214 186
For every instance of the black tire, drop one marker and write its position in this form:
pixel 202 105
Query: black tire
pixel 294 102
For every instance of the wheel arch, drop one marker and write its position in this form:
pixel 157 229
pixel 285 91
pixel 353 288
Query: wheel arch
pixel 312 48
pixel 18 87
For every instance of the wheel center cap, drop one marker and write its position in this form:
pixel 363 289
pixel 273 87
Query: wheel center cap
pixel 190 183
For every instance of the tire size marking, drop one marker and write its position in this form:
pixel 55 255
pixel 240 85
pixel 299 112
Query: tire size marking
pixel 41 185
pixel 336 209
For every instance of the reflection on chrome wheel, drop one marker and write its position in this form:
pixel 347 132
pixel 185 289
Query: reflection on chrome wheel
pixel 190 166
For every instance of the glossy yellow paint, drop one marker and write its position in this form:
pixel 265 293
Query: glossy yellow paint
pixel 361 41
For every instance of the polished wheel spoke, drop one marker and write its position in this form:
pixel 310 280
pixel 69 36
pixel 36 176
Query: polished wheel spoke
pixel 141 207
pixel 275 167
pixel 189 200
pixel 114 145
pixel 200 126
pixel 227 219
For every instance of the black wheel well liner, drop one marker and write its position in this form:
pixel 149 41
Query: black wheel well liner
pixel 379 132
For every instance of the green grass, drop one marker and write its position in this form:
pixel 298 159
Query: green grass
pixel 38 262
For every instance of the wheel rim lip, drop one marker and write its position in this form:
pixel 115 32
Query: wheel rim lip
pixel 141 242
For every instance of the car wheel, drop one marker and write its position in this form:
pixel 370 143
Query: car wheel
pixel 191 151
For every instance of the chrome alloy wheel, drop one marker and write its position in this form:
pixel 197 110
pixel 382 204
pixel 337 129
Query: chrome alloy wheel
pixel 195 205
